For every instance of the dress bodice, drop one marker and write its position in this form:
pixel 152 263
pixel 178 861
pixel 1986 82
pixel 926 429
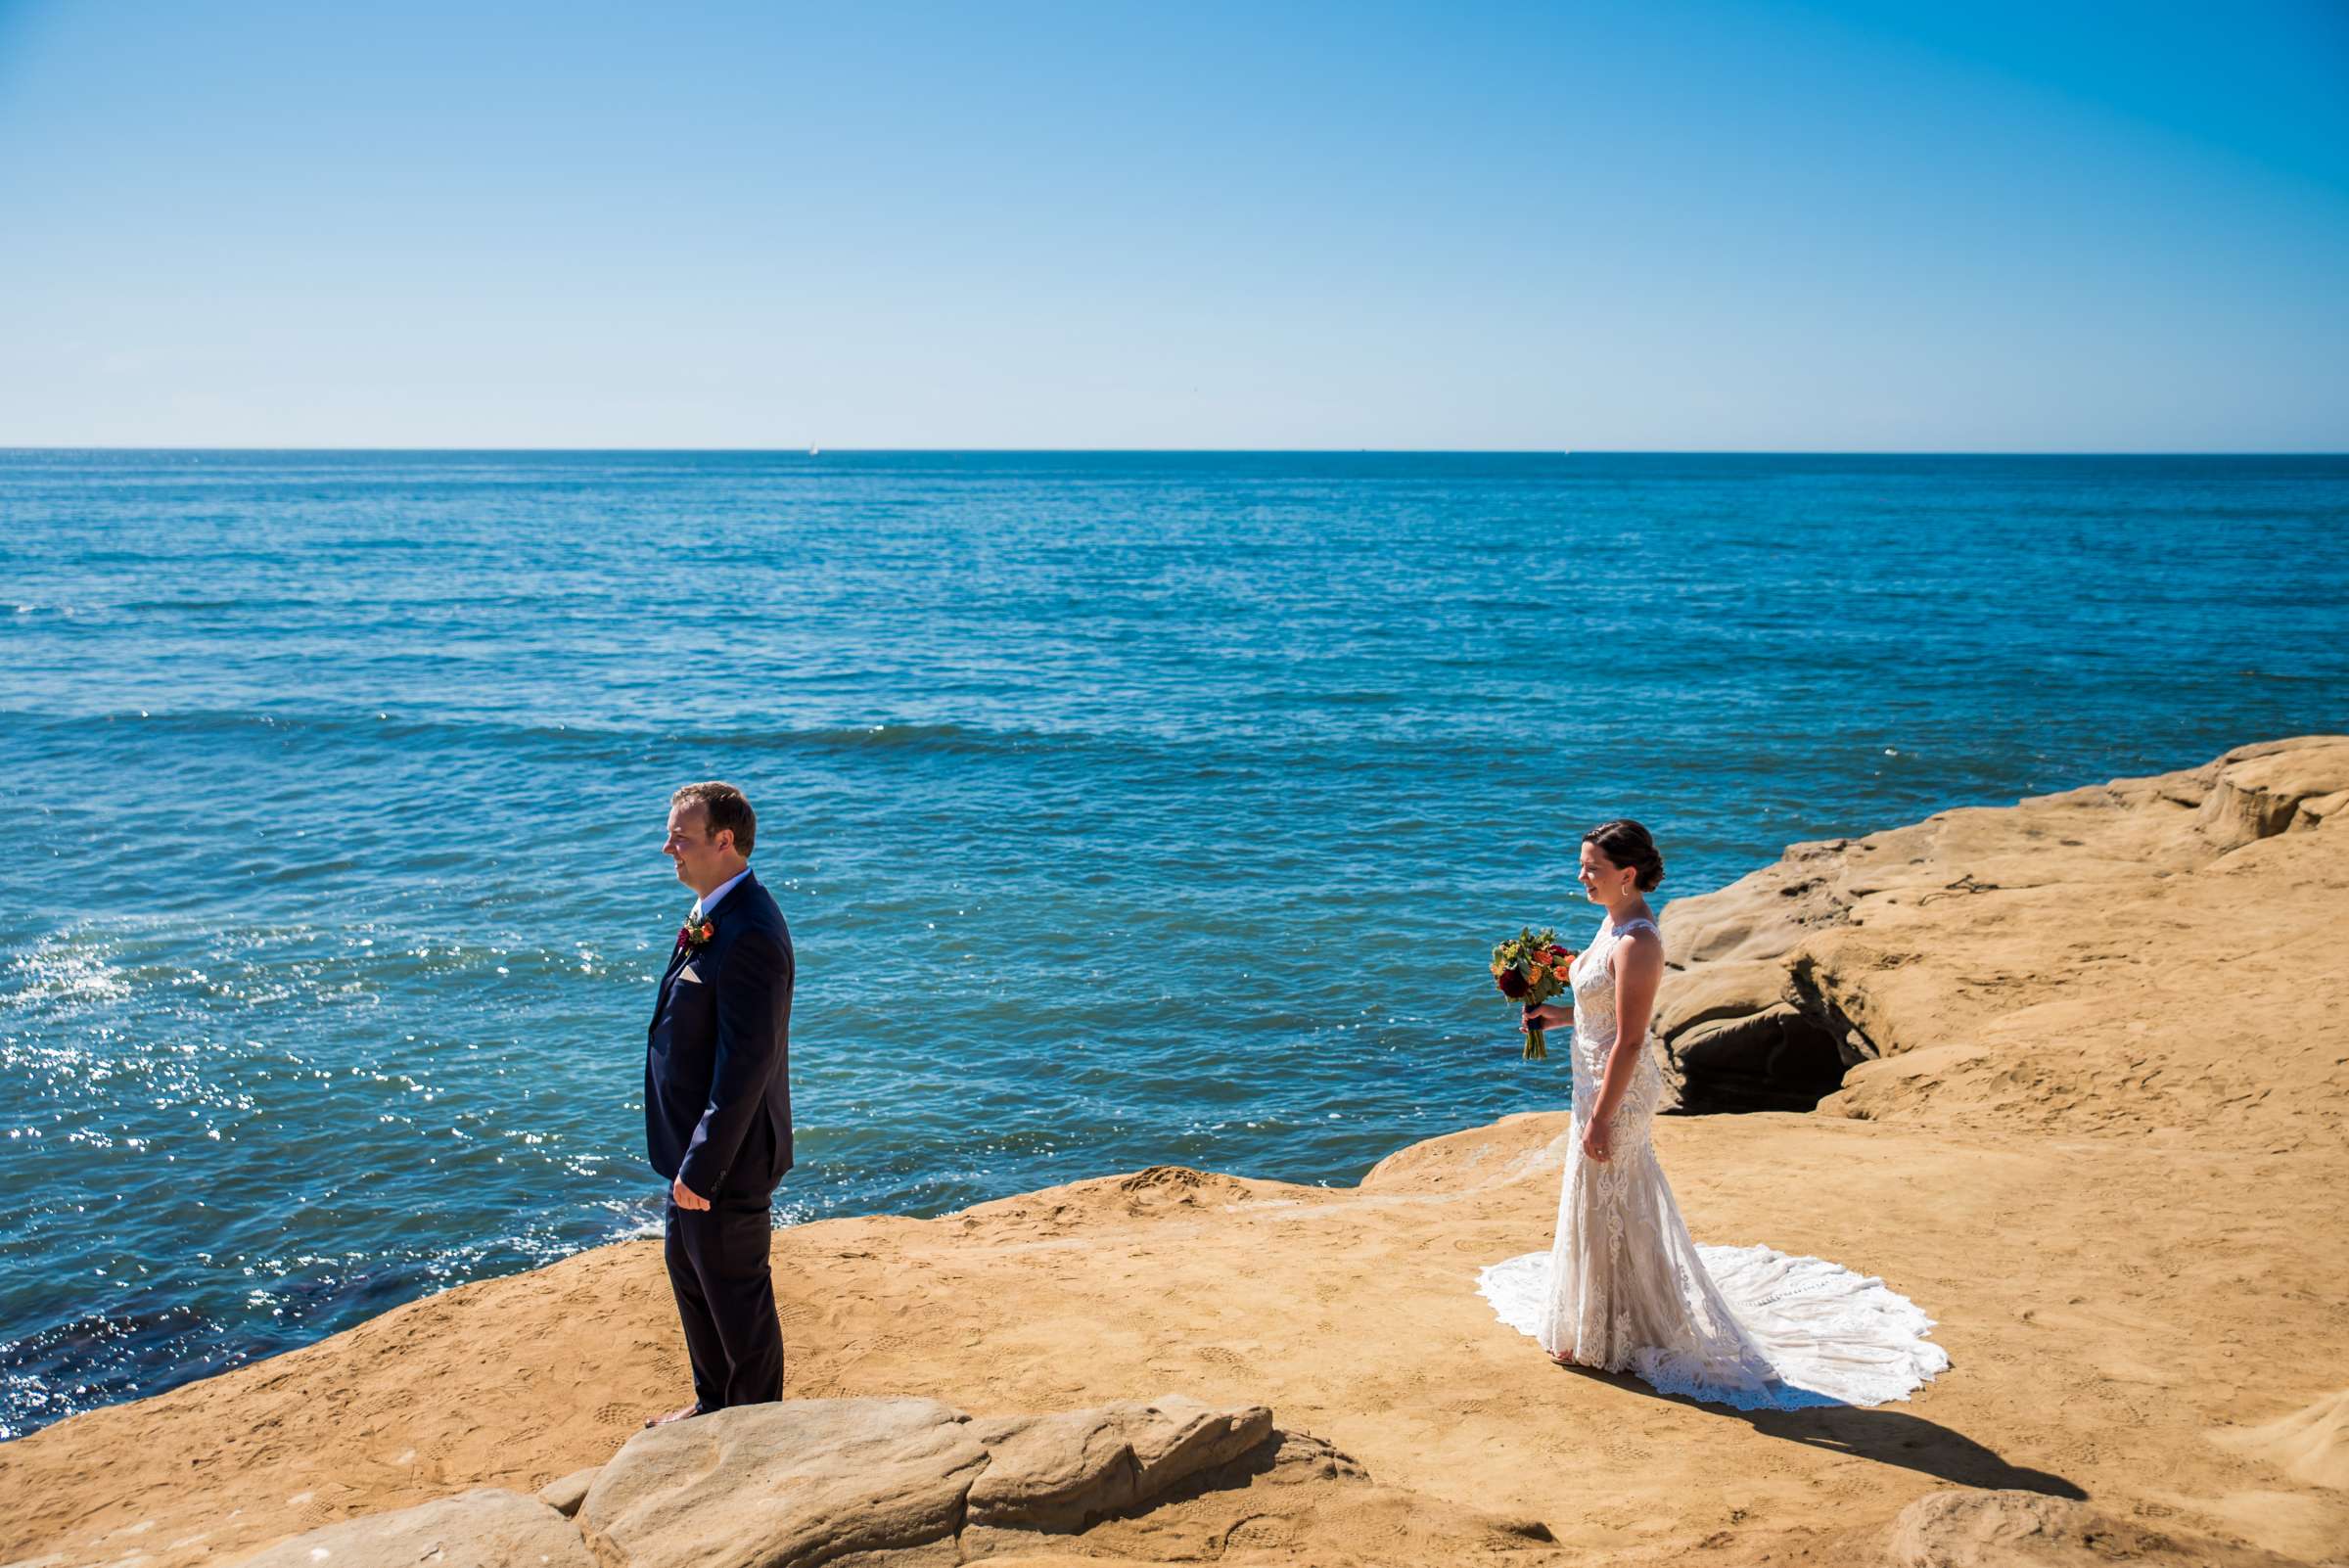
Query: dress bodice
pixel 1593 980
pixel 1593 977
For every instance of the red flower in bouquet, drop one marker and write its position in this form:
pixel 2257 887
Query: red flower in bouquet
pixel 1530 968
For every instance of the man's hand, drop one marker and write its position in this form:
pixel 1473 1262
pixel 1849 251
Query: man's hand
pixel 684 1197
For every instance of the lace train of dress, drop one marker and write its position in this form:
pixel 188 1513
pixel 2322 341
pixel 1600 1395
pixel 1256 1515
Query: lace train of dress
pixel 1625 1288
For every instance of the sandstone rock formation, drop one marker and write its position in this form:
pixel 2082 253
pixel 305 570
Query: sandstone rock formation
pixel 1803 970
pixel 2028 1529
pixel 2311 1444
pixel 564 1493
pixel 905 1483
pixel 1065 1472
pixel 792 1484
pixel 482 1528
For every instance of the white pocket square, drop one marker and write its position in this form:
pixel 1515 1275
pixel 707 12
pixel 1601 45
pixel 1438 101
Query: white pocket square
pixel 687 973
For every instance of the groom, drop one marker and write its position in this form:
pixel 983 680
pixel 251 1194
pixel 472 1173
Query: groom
pixel 718 1101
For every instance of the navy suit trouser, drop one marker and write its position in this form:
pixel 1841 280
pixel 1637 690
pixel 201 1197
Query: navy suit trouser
pixel 717 1267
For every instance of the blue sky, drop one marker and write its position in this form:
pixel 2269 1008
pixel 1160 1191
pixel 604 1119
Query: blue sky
pixel 1693 226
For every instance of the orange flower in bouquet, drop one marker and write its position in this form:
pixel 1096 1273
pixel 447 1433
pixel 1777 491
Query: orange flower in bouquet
pixel 1530 968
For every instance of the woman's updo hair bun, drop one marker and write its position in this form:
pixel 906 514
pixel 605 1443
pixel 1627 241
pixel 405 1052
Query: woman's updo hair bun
pixel 1626 842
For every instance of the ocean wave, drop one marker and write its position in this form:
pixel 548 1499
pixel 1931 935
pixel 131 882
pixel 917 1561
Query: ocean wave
pixel 944 737
pixel 934 737
pixel 56 970
pixel 249 602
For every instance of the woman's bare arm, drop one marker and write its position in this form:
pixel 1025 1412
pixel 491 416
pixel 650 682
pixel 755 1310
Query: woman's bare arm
pixel 1638 965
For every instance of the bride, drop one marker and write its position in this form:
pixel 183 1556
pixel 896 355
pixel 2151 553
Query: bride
pixel 1623 1288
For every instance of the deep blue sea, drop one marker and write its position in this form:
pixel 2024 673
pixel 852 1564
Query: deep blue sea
pixel 1127 808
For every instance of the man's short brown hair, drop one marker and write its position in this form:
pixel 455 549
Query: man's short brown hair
pixel 724 807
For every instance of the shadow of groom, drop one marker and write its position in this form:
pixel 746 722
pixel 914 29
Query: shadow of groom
pixel 1886 1436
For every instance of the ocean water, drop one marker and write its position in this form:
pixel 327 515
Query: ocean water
pixel 1127 808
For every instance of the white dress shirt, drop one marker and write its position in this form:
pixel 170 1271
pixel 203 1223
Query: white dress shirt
pixel 704 906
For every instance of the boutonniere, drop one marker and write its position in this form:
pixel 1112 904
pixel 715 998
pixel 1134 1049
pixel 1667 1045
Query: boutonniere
pixel 694 934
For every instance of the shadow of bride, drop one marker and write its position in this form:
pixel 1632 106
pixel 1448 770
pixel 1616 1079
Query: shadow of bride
pixel 1886 1436
pixel 1894 1436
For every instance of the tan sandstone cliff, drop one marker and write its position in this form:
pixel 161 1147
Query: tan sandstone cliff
pixel 2094 1123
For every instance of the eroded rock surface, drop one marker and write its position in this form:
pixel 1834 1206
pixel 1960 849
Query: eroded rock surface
pixel 788 1485
pixel 2311 1444
pixel 904 1483
pixel 1849 952
pixel 564 1493
pixel 1294 1501
pixel 1066 1471
pixel 2026 1530
pixel 485 1529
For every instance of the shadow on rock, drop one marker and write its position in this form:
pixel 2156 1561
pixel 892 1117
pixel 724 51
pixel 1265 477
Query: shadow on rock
pixel 1886 1436
pixel 1894 1437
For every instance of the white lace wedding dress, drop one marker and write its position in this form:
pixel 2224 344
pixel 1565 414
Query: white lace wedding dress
pixel 1624 1287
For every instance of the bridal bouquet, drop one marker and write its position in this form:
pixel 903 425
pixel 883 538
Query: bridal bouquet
pixel 1530 968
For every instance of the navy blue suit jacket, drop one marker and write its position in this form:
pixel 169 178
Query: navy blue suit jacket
pixel 717 1056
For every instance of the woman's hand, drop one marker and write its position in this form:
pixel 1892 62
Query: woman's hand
pixel 1598 1141
pixel 1548 1015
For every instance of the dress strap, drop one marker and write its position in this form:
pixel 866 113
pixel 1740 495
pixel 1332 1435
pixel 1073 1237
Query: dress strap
pixel 1633 925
